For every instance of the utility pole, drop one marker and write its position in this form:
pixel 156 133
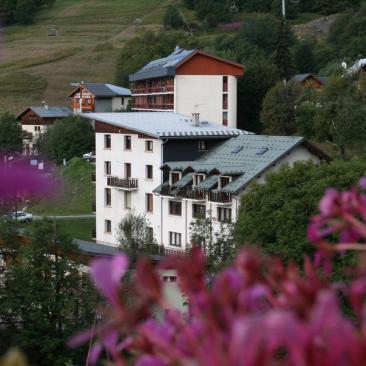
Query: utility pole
pixel 284 9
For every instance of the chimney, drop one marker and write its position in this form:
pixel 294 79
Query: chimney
pixel 45 105
pixel 196 119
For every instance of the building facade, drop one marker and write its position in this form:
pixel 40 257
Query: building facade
pixel 98 97
pixel 36 120
pixel 186 82
pixel 130 150
pixel 212 185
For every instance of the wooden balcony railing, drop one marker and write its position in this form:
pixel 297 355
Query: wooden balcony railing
pixel 167 190
pixel 154 106
pixel 192 194
pixel 219 197
pixel 154 89
pixel 125 183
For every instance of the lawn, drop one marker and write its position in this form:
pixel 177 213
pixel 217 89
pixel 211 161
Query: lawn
pixel 76 229
pixel 77 194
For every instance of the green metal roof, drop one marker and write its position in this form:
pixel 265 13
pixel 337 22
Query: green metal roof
pixel 208 183
pixel 246 156
pixel 184 181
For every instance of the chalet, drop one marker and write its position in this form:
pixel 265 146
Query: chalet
pixel 186 82
pixel 35 121
pixel 98 97
pixel 310 80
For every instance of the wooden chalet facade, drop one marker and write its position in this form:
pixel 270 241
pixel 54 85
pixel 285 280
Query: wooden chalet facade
pixel 310 80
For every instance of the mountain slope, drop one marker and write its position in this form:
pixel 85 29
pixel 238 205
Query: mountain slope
pixel 36 67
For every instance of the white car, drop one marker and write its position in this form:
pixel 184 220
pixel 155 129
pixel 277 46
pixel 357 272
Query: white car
pixel 89 157
pixel 22 216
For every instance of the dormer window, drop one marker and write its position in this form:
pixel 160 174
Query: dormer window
pixel 223 181
pixel 174 177
pixel 198 178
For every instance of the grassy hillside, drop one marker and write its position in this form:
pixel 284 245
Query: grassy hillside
pixel 34 66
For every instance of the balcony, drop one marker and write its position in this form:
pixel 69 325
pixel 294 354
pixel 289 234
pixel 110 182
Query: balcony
pixel 168 190
pixel 154 90
pixel 192 194
pixel 220 197
pixel 167 106
pixel 126 184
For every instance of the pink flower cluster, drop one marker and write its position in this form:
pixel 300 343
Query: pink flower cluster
pixel 20 181
pixel 257 312
pixel 340 224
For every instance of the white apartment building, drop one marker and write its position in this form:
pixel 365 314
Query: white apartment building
pixel 130 150
pixel 212 185
pixel 189 81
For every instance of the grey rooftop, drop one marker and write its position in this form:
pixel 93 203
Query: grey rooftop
pixel 164 124
pixel 244 157
pixel 49 112
pixel 162 67
pixel 106 90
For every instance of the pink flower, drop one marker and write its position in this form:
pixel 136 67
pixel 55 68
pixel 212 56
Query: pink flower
pixel 106 274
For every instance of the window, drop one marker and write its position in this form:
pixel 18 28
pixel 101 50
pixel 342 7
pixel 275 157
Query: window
pixel 149 202
pixel 224 118
pixel 224 214
pixel 150 234
pixel 169 278
pixel 108 226
pixel 127 170
pixel 175 239
pixel 175 208
pixel 127 142
pixel 149 171
pixel 224 101
pixel 107 197
pixel 107 141
pixel 107 167
pixel 224 181
pixel 202 146
pixel 127 200
pixel 148 145
pixel 224 83
pixel 198 178
pixel 37 128
pixel 198 211
pixel 174 177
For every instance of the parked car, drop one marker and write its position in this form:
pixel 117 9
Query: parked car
pixel 22 216
pixel 89 157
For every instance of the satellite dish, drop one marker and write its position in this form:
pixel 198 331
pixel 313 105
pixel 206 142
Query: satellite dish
pixel 233 8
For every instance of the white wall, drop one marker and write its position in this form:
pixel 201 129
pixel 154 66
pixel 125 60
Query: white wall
pixel 207 92
pixel 181 224
pixel 138 159
pixel 119 103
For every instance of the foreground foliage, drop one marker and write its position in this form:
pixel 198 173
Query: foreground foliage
pixel 257 312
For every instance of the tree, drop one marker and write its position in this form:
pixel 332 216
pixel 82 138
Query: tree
pixel 67 138
pixel 173 18
pixel 279 108
pixel 25 10
pixel 46 299
pixel 259 76
pixel 282 56
pixel 275 215
pixel 134 235
pixel 304 58
pixel 218 243
pixel 10 134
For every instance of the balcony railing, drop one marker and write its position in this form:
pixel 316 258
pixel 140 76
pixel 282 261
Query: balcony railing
pixel 154 89
pixel 154 106
pixel 219 197
pixel 123 183
pixel 192 194
pixel 163 251
pixel 167 190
